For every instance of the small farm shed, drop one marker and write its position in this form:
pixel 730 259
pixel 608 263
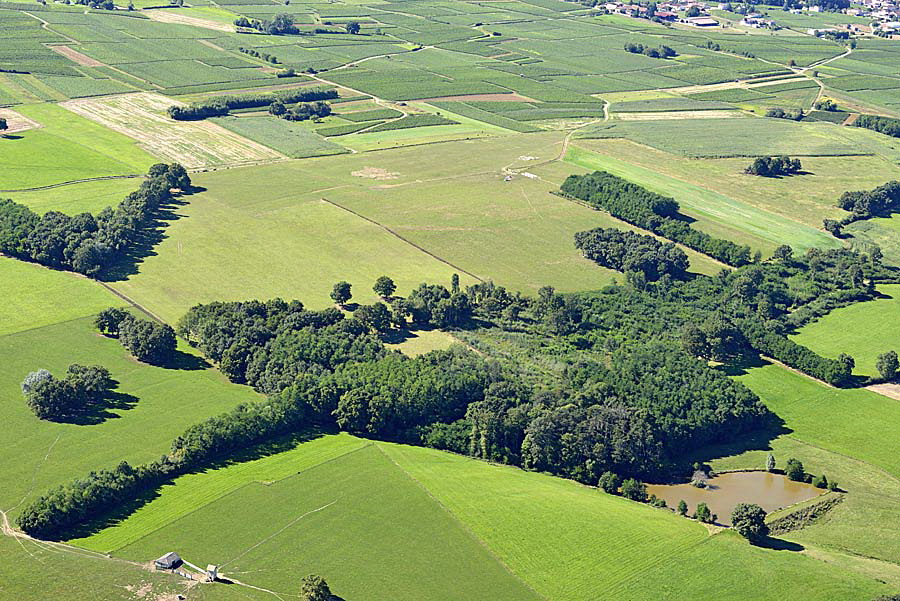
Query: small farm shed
pixel 169 561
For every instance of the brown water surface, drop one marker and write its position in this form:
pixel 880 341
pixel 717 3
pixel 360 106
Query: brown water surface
pixel 725 491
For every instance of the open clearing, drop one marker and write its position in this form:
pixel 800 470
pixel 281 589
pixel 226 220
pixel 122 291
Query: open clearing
pixel 194 144
pixel 864 330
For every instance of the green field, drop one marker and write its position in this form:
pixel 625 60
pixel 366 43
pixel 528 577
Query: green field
pixel 716 213
pixel 67 147
pixel 71 199
pixel 35 296
pixel 853 422
pixel 863 330
pixel 152 405
pixel 291 139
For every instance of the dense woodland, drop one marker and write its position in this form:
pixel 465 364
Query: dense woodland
pixel 650 211
pixel 87 243
pixel 883 125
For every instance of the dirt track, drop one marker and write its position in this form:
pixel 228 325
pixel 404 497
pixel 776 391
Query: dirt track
pixel 73 55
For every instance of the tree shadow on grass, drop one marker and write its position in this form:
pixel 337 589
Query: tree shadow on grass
pixel 149 237
pixel 100 410
pixel 185 362
pixel 778 544
pixel 123 510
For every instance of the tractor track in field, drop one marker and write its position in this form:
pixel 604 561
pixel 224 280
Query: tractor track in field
pixel 402 238
pixel 74 181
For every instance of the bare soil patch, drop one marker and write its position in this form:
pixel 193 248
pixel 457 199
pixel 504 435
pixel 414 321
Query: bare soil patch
pixel 888 390
pixel 375 173
pixel 674 115
pixel 16 122
pixel 480 97
pixel 211 45
pixel 194 144
pixel 73 55
pixel 170 17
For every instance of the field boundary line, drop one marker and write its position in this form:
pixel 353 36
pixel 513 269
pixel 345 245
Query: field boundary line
pixel 398 236
pixel 223 496
pixel 74 181
pixel 481 542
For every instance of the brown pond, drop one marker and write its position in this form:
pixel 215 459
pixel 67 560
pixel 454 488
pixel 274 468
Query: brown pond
pixel 769 491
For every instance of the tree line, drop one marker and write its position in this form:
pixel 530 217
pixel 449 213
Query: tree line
pixel 281 24
pixel 883 125
pixel 774 166
pixel 865 204
pixel 660 52
pixel 650 211
pixel 218 106
pixel 86 243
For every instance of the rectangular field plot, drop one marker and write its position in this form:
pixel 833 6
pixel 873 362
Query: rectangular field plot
pixel 290 139
pixel 732 137
pixel 194 144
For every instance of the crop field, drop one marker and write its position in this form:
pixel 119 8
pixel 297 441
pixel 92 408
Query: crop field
pixel 290 139
pixel 717 138
pixel 864 330
pixel 195 144
pixel 65 148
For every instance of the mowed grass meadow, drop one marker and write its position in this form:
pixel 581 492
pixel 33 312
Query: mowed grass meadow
pixel 83 197
pixel 65 148
pixel 151 406
pixel 864 330
pixel 35 296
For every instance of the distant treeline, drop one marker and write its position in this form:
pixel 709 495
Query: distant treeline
pixel 660 52
pixel 220 105
pixel 651 211
pixel 883 125
pixel 86 243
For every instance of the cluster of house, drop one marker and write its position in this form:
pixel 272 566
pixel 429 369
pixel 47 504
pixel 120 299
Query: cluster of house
pixel 666 11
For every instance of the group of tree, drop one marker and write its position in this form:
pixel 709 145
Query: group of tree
pixel 628 251
pixel 826 104
pixel 774 166
pixel 301 111
pixel 780 113
pixel 651 211
pixel 281 24
pixel 888 126
pixel 146 340
pixel 221 105
pixel 865 204
pixel 269 58
pixel 88 243
pixel 888 365
pixel 57 399
pixel 610 407
pixel 660 52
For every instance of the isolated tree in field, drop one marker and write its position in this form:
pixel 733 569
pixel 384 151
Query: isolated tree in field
pixel 3 124
pixel 384 287
pixel 609 482
pixel 634 490
pixel 770 463
pixel 314 588
pixel 109 320
pixel 341 294
pixel 682 507
pixel 888 365
pixel 352 27
pixel 794 470
pixel 749 520
pixel 703 514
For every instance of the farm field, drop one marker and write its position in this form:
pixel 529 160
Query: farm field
pixel 35 296
pixel 194 144
pixel 454 442
pixel 71 199
pixel 150 405
pixel 864 330
pixel 66 148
